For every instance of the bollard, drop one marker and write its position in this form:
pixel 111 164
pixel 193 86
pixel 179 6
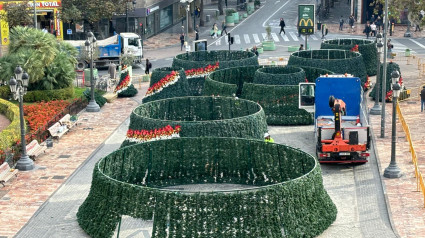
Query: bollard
pixel 408 61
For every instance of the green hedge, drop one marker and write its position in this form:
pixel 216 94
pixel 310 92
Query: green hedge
pixel 366 47
pixel 391 66
pixel 338 61
pixel 289 197
pixel 11 133
pixel 280 103
pixel 279 75
pixel 201 116
pixel 312 73
pixel 200 59
pixel 179 89
pixel 100 100
pixel 40 95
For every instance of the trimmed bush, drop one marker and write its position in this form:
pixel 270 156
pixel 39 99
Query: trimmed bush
pixel 201 59
pixel 100 100
pixel 391 66
pixel 338 61
pixel 312 73
pixel 279 76
pixel 280 103
pixel 178 89
pixel 201 116
pixel 366 47
pixel 49 95
pixel 131 91
pixel 289 196
pixel 11 133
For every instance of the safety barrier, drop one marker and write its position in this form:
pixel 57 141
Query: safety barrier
pixel 420 186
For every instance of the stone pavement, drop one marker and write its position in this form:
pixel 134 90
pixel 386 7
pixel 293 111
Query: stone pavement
pixel 23 196
pixel 406 204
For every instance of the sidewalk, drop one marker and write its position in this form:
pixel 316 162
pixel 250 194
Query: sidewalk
pixel 23 196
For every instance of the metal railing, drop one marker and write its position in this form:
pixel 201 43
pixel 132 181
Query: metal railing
pixel 420 185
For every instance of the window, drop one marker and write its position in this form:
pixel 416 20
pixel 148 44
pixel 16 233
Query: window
pixel 133 42
pixel 166 17
pixel 307 94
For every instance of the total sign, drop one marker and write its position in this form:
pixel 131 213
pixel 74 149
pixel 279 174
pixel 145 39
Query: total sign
pixel 45 4
pixel 306 19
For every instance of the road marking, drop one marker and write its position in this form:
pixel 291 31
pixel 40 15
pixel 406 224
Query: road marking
pixel 256 39
pixel 246 38
pixel 218 42
pixel 313 37
pixel 264 36
pixel 293 36
pixel 226 39
pixel 423 46
pixel 275 38
pixel 237 39
pixel 285 38
pixel 302 37
pixel 264 23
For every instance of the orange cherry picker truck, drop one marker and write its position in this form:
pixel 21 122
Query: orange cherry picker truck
pixel 341 128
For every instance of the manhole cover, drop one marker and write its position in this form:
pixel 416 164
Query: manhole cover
pixel 44 177
pixel 64 156
pixel 411 102
pixel 58 177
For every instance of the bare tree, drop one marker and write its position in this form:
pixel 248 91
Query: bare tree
pixel 202 22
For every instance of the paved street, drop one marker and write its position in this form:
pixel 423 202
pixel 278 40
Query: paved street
pixel 368 204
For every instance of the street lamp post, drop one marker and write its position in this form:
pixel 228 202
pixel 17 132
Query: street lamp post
pixel 18 86
pixel 393 171
pixel 186 37
pixel 90 45
pixel 384 71
pixel 126 14
pixel 376 109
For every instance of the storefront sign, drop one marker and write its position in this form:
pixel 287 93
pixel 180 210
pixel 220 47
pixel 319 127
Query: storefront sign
pixel 69 32
pixel 45 4
pixel 306 19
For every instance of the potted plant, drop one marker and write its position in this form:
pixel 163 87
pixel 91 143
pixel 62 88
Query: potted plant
pixel 250 7
pixel 236 17
pixel 268 43
pixel 230 21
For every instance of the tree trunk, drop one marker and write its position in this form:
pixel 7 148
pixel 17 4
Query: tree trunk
pixel 220 7
pixel 190 21
pixel 202 22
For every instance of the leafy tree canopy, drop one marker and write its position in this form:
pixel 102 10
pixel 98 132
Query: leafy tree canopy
pixel 395 7
pixel 91 11
pixel 17 14
pixel 49 63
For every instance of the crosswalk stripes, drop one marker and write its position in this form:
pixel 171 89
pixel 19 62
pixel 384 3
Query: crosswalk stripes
pixel 285 38
pixel 313 37
pixel 303 37
pixel 264 36
pixel 246 38
pixel 292 34
pixel 256 39
pixel 237 39
pixel 275 38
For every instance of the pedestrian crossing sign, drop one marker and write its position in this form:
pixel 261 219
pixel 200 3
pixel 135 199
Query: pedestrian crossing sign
pixel 306 19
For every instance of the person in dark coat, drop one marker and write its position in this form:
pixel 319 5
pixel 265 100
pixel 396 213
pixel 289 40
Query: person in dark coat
pixel 181 41
pixel 422 98
pixel 282 26
pixel 148 66
pixel 197 32
pixel 367 30
pixel 223 28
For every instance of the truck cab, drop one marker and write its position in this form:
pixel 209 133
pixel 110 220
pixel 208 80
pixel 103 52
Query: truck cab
pixel 132 44
pixel 342 135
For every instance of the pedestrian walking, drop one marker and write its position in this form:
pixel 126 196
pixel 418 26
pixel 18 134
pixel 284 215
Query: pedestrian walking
pixel 418 28
pixel 112 70
pixel 324 30
pixel 282 26
pixel 197 32
pixel 373 28
pixel 372 19
pixel 422 98
pixel 389 49
pixel 379 23
pixel 181 41
pixel 223 28
pixel 148 66
pixel 215 30
pixel 182 30
pixel 367 30
pixel 196 11
pixel 341 23
pixel 199 12
pixel 351 22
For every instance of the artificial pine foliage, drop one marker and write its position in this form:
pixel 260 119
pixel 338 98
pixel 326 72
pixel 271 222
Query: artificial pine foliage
pixel 100 100
pixel 124 87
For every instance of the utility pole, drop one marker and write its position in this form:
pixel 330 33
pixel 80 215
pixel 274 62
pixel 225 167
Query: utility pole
pixel 35 15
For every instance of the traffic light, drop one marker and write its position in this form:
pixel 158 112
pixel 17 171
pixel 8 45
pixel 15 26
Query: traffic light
pixel 230 39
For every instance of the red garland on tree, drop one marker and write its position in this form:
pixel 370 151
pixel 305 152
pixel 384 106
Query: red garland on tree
pixel 355 48
pixel 124 79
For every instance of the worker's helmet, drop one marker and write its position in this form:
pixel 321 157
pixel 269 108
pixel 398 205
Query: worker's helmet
pixel 266 135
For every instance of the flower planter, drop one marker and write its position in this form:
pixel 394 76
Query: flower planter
pixel 250 7
pixel 235 17
pixel 260 50
pixel 245 15
pixel 269 45
pixel 230 21
pixel 293 48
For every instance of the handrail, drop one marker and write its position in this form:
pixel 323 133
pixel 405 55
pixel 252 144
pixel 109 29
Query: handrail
pixel 420 185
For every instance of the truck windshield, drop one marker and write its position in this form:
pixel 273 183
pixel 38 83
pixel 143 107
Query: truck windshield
pixel 133 42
